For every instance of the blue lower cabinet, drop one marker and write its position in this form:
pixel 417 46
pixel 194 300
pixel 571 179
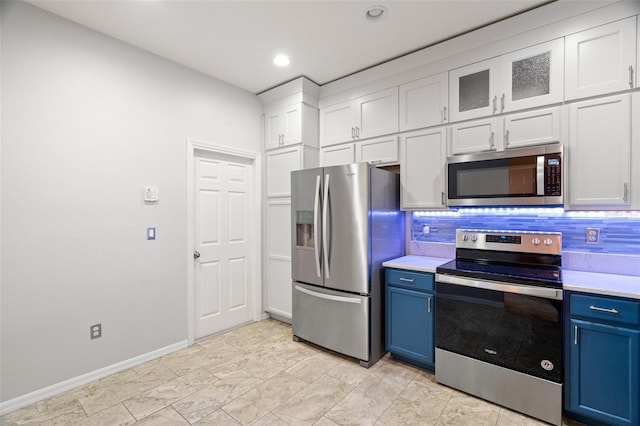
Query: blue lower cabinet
pixel 603 371
pixel 410 320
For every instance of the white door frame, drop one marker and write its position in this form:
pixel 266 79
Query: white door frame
pixel 255 211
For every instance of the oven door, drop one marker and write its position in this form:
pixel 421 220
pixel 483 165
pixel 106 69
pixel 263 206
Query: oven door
pixel 512 326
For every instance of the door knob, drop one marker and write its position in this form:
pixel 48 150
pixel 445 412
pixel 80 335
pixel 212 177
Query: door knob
pixel 196 254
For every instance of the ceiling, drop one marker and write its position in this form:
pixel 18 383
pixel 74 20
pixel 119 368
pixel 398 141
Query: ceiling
pixel 236 41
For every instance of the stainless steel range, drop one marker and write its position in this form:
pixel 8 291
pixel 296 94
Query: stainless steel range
pixel 499 320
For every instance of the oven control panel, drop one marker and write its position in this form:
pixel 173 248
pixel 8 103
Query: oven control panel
pixel 514 241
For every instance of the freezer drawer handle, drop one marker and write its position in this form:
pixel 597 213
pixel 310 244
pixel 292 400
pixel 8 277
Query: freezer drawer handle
pixel 330 296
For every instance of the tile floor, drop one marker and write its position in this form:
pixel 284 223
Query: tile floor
pixel 257 375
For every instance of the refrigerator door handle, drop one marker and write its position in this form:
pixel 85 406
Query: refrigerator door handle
pixel 330 296
pixel 325 213
pixel 316 252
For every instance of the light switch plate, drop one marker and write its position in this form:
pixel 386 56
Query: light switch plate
pixel 151 233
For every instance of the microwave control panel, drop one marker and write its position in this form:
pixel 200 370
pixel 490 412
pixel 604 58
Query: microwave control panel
pixel 553 175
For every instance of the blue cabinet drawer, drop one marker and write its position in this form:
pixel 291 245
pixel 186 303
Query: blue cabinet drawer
pixel 606 309
pixel 412 280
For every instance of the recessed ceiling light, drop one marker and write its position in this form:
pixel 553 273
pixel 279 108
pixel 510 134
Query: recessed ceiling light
pixel 281 60
pixel 375 13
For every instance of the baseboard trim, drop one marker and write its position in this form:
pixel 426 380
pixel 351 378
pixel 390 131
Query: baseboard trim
pixel 49 391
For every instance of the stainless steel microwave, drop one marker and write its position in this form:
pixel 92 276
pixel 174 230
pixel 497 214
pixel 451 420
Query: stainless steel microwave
pixel 523 176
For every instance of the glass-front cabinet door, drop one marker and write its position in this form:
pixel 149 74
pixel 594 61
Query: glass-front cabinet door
pixel 473 90
pixel 533 76
pixel 518 80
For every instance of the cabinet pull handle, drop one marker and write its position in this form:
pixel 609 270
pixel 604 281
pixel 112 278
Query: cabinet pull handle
pixel 407 280
pixel 429 305
pixel 444 114
pixel 491 140
pixel 495 104
pixel 625 197
pixel 353 133
pixel 442 198
pixel 608 310
pixel 506 138
pixel 631 76
pixel 357 132
pixel 575 334
pixel 502 103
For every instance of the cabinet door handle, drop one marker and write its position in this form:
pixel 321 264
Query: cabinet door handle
pixel 495 104
pixel 631 76
pixel 444 115
pixel 407 280
pixel 353 133
pixel 442 198
pixel 491 140
pixel 506 138
pixel 502 103
pixel 429 305
pixel 575 334
pixel 357 132
pixel 608 310
pixel 625 197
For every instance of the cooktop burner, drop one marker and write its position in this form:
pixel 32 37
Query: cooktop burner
pixel 529 258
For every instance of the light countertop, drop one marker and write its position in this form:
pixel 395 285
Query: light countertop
pixel 416 263
pixel 588 282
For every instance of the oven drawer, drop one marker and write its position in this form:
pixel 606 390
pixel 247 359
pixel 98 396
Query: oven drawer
pixel 421 281
pixel 607 309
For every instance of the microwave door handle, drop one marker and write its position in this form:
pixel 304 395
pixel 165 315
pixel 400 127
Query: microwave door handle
pixel 325 213
pixel 540 175
pixel 316 204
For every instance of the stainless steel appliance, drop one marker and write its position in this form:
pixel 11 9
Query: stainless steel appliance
pixel 499 320
pixel 345 223
pixel 522 176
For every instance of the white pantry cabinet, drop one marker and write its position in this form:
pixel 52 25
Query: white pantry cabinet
pixel 600 153
pixel 424 102
pixel 535 127
pixel 422 169
pixel 601 60
pixel 291 125
pixel 375 114
pixel 278 286
pixel 281 162
pixel 336 155
pixel 522 79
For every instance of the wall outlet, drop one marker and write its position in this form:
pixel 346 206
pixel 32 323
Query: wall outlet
pixel 95 331
pixel 426 230
pixel 593 235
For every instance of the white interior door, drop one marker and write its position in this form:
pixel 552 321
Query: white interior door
pixel 222 275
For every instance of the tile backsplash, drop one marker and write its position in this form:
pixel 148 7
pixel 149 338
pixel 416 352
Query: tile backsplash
pixel 619 232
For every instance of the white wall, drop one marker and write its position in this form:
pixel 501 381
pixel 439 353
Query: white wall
pixel 87 121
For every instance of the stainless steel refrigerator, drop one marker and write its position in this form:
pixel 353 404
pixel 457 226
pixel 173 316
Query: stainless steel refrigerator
pixel 345 222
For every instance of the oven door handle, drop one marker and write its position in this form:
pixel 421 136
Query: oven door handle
pixel 545 292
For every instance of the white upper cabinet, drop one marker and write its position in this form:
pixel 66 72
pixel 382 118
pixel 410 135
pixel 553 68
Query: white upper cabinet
pixel 518 80
pixel 422 169
pixel 368 116
pixel 541 126
pixel 600 153
pixel 337 155
pixel 424 102
pixel 291 125
pixel 378 151
pixel 536 127
pixel 601 60
pixel 475 136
